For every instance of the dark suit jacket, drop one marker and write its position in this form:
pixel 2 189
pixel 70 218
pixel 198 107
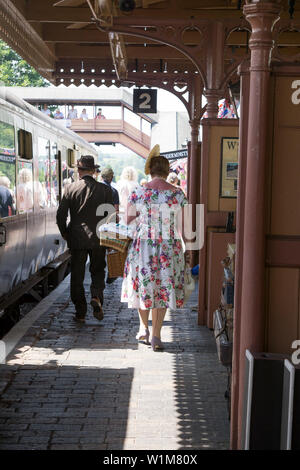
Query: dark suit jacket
pixel 82 199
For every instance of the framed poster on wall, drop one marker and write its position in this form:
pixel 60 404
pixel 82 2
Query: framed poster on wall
pixel 229 167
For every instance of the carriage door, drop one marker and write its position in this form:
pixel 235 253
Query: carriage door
pixel 59 173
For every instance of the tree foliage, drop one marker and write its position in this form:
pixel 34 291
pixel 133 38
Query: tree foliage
pixel 15 71
pixel 7 136
pixel 119 162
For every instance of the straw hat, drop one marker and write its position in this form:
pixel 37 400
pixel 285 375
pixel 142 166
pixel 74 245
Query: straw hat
pixel 155 152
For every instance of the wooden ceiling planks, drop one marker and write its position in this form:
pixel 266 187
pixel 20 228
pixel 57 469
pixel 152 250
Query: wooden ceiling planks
pixel 67 31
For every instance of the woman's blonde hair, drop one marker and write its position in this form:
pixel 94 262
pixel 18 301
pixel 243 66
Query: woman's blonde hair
pixel 25 175
pixel 143 181
pixel 4 181
pixel 129 173
pixel 159 166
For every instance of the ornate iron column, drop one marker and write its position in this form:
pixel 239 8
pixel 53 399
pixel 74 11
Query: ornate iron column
pixel 262 16
pixel 238 276
pixel 215 44
pixel 194 170
pixel 196 112
pixel 212 96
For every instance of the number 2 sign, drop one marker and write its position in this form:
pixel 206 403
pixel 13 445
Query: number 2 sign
pixel 144 101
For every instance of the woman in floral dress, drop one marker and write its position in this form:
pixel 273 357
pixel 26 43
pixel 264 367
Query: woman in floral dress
pixel 154 269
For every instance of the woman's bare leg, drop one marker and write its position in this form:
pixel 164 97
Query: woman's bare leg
pixel 143 333
pixel 158 315
pixel 144 318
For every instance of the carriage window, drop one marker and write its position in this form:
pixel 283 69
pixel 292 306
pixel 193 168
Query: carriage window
pixel 67 173
pixel 25 144
pixel 25 187
pixel 44 190
pixel 7 170
pixel 71 157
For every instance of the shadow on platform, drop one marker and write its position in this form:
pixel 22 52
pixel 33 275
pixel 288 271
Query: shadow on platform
pixel 92 386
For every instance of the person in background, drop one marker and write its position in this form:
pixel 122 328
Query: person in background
pixel 6 199
pixel 81 199
pixel 173 179
pixel 84 115
pixel 40 194
pixel 107 175
pixel 100 115
pixel 58 114
pixel 97 176
pixel 72 113
pixel 143 182
pixel 126 184
pixel 46 110
pixel 25 190
pixel 67 175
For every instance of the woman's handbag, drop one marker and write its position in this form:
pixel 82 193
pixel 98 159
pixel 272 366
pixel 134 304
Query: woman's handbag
pixel 114 235
pixel 189 283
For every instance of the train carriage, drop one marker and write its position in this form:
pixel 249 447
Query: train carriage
pixel 37 158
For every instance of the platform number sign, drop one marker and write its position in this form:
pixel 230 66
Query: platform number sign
pixel 144 101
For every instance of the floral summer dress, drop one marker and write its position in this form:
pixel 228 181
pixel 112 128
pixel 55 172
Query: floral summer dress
pixel 154 268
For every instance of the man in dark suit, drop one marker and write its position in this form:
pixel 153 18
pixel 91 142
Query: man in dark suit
pixel 82 198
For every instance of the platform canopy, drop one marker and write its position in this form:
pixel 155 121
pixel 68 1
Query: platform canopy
pixel 166 42
pixel 80 41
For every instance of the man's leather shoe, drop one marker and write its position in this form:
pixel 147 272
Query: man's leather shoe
pixel 97 307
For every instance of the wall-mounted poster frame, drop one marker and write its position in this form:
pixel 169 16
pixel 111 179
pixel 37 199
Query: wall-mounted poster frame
pixel 229 167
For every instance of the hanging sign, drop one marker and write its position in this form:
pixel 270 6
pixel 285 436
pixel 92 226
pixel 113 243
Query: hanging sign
pixel 7 158
pixel 144 101
pixel 175 154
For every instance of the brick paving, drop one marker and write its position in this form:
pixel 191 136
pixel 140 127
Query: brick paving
pixel 92 386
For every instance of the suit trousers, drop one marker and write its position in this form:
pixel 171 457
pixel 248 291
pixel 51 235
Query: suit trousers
pixel 97 270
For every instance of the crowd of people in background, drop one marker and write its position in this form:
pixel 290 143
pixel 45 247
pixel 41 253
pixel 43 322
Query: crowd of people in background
pixel 121 189
pixel 127 183
pixel 72 113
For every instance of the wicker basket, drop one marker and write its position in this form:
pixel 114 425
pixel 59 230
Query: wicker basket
pixel 116 263
pixel 113 240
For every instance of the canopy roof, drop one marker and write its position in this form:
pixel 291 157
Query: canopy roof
pixel 94 41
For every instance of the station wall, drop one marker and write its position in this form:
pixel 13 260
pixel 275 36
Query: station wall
pixel 216 135
pixel 283 237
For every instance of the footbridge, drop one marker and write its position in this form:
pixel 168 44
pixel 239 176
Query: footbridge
pixel 80 113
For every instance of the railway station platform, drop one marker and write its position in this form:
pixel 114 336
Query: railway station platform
pixel 91 386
